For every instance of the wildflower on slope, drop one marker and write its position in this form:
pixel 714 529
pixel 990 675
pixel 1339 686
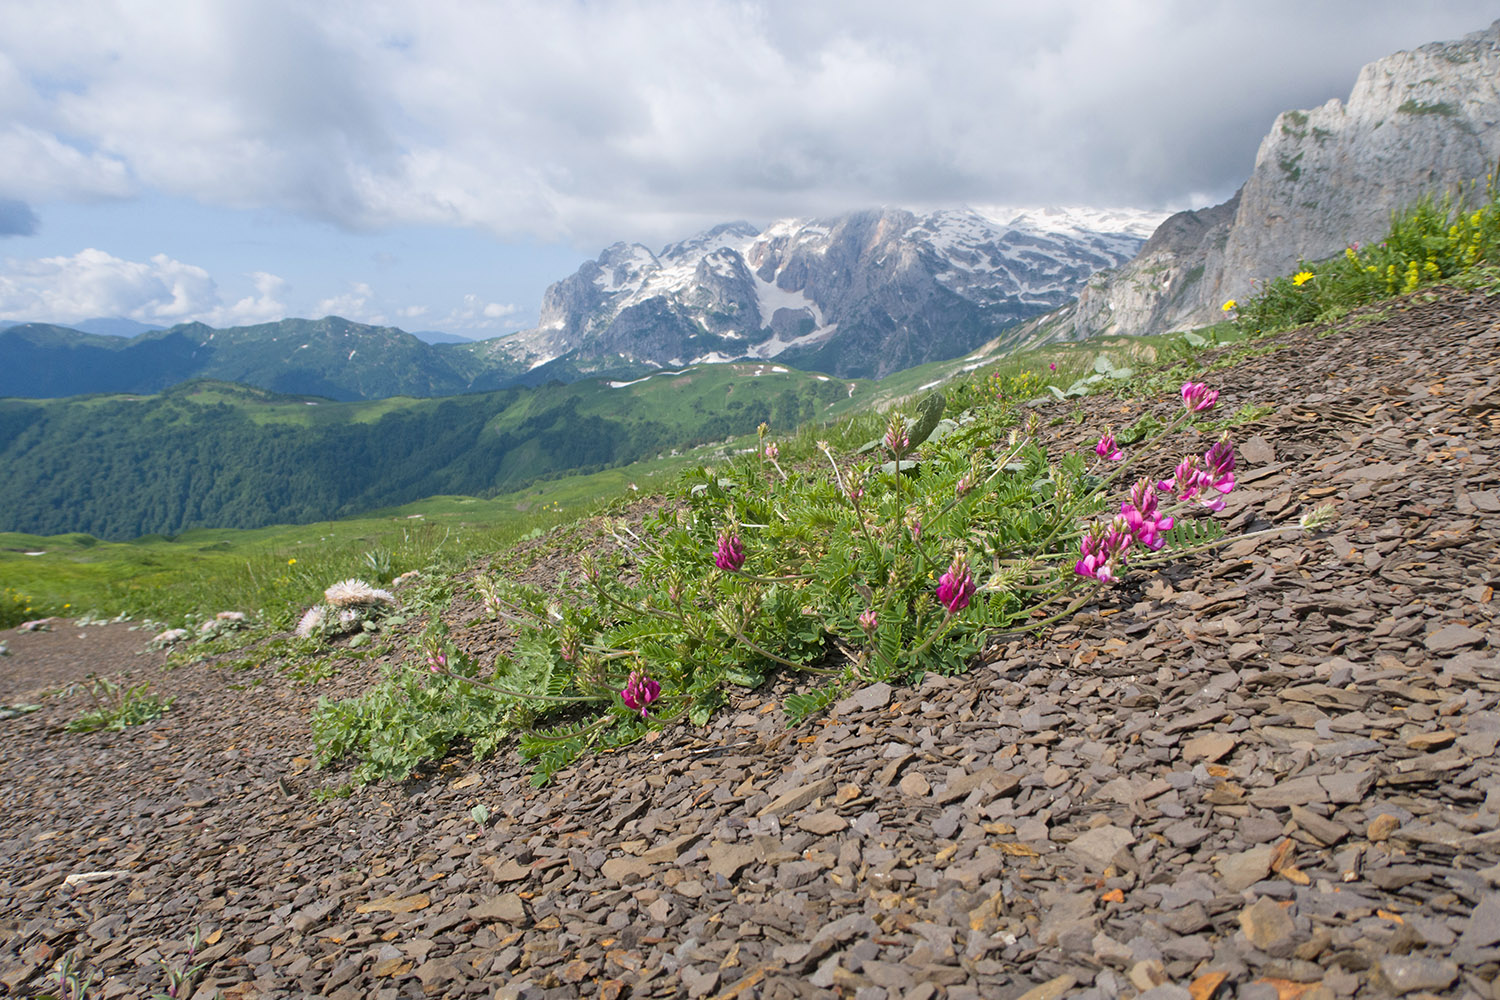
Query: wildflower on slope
pixel 1301 278
pixel 1107 449
pixel 1101 549
pixel 1144 517
pixel 729 554
pixel 956 586
pixel 1229 306
pixel 640 691
pixel 1052 366
pixel 311 621
pixel 1198 398
pixel 896 438
pixel 1218 464
pixel 869 621
pixel 353 593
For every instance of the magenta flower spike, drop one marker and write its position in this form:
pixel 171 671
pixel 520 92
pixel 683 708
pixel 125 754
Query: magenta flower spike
pixel 1198 398
pixel 1219 463
pixel 1052 366
pixel 729 554
pixel 640 691
pixel 956 586
pixel 869 621
pixel 1095 557
pixel 437 662
pixel 1107 449
pixel 1143 516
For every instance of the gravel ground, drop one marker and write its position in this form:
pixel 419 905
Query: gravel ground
pixel 1268 774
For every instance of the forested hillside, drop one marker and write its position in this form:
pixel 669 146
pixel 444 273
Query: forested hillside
pixel 211 454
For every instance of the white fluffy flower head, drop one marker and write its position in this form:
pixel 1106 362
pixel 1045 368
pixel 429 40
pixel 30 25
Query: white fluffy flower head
pixel 311 621
pixel 356 594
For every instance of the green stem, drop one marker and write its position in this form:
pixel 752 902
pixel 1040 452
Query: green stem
pixel 519 695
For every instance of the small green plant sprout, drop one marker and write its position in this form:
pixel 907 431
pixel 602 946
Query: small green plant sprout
pixel 116 707
pixel 71 983
pixel 182 976
pixel 480 814
pixel 348 606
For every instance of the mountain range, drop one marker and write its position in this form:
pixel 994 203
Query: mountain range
pixel 863 294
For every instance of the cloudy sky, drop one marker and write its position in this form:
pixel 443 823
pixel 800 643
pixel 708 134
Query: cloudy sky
pixel 434 164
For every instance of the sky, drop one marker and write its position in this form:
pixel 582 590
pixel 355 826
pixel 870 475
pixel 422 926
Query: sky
pixel 434 165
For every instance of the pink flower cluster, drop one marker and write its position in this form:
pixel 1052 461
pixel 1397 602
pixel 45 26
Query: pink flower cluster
pixel 1144 517
pixel 1107 449
pixel 1141 520
pixel 1103 550
pixel 640 691
pixel 729 554
pixel 1198 398
pixel 1214 473
pixel 956 586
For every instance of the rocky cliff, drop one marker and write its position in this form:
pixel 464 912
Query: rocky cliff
pixel 1416 123
pixel 863 294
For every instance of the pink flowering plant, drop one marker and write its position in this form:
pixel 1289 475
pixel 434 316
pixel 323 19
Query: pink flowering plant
pixel 949 531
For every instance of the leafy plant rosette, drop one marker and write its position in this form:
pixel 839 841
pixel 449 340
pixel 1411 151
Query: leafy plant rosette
pixel 852 573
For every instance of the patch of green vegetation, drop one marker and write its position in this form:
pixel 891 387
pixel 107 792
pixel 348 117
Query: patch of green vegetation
pixel 116 707
pixel 215 454
pixel 1430 241
pixel 849 564
pixel 1291 166
pixel 1412 106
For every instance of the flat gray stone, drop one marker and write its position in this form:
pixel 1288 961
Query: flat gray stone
pixel 1268 926
pixel 506 907
pixel 1240 871
pixel 1285 794
pixel 1409 973
pixel 798 797
pixel 1483 930
pixel 1098 847
pixel 1451 637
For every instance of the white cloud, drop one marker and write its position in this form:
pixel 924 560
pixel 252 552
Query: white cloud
pixel 476 314
pixel 645 120
pixel 93 283
pixel 355 304
pixel 265 306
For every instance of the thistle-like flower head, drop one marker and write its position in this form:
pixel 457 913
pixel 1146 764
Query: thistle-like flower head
pixel 353 593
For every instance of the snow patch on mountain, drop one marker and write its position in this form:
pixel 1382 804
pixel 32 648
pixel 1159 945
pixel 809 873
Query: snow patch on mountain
pixel 937 283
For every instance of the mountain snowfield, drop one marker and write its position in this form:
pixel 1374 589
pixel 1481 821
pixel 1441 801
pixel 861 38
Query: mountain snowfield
pixel 863 294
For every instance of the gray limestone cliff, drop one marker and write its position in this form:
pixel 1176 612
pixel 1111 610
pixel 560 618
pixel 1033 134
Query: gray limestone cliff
pixel 1417 123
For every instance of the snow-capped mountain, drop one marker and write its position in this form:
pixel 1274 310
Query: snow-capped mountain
pixel 863 294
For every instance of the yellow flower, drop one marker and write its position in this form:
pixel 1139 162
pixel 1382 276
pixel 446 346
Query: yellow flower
pixel 291 562
pixel 1230 305
pixel 1301 278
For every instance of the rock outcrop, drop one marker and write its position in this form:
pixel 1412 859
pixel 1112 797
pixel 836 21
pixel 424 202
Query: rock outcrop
pixel 1418 123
